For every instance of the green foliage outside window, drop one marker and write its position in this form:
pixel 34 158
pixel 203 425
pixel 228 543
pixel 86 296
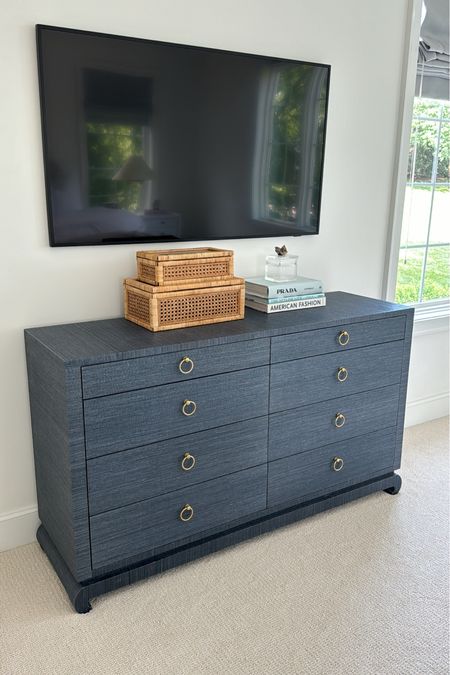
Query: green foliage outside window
pixel 108 147
pixel 423 268
pixel 424 136
pixel 287 129
pixel 437 284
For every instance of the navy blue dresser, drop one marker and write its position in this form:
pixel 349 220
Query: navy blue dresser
pixel 153 449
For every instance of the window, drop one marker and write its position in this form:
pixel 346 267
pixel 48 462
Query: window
pixel 289 145
pixel 298 110
pixel 108 147
pixel 424 256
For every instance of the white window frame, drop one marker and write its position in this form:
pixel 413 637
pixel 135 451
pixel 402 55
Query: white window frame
pixel 438 309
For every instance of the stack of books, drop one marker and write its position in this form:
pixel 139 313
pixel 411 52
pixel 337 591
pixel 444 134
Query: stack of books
pixel 278 296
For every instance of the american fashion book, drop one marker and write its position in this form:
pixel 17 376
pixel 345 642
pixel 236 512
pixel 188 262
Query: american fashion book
pixel 285 306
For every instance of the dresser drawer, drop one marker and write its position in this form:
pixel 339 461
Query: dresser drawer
pixel 128 420
pixel 332 467
pixel 318 378
pixel 312 426
pixel 326 340
pixel 112 378
pixel 134 475
pixel 134 529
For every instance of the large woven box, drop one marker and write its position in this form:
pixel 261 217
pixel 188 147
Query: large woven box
pixel 161 308
pixel 181 266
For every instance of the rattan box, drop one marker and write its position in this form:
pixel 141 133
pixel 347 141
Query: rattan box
pixel 181 266
pixel 164 308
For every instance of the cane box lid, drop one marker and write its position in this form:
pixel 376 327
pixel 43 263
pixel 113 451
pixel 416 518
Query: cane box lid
pixel 185 253
pixel 201 284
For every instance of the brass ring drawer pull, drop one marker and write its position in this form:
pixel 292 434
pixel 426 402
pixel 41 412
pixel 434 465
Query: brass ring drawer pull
pixel 343 338
pixel 342 374
pixel 186 365
pixel 337 464
pixel 339 420
pixel 188 462
pixel 186 513
pixel 188 408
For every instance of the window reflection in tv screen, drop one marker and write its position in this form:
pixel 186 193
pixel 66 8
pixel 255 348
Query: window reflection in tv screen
pixel 148 141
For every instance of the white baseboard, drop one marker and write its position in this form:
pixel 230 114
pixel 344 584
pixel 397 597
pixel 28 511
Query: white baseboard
pixel 426 409
pixel 18 527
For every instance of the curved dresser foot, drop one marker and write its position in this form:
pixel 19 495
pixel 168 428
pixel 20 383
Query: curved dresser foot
pixel 81 602
pixel 395 489
pixel 78 594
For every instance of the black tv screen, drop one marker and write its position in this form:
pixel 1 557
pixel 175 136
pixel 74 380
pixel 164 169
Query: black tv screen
pixel 147 141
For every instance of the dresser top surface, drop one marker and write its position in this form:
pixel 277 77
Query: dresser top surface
pixel 106 340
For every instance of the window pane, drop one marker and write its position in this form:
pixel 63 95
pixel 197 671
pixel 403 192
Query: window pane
pixel 276 168
pixel 440 218
pixel 409 274
pixel 436 280
pixel 443 167
pixel 282 202
pixel 436 283
pixel 108 147
pixel 424 136
pixel 416 213
pixel 424 275
pixel 427 107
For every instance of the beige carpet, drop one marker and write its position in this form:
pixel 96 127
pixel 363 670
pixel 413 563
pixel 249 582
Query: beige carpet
pixel 362 589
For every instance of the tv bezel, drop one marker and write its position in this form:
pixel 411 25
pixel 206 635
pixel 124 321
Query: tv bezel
pixel 45 27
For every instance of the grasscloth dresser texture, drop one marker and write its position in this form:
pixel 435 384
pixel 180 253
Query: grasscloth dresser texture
pixel 153 449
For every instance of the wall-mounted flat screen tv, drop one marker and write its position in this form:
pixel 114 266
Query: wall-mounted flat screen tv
pixel 146 141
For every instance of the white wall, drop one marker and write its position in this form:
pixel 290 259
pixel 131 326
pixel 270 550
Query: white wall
pixel 362 41
pixel 428 388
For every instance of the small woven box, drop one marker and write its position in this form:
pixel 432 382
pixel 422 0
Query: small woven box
pixel 161 308
pixel 181 266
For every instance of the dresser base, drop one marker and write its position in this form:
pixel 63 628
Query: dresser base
pixel 80 594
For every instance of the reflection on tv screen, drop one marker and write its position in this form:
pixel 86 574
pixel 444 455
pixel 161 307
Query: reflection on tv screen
pixel 147 141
